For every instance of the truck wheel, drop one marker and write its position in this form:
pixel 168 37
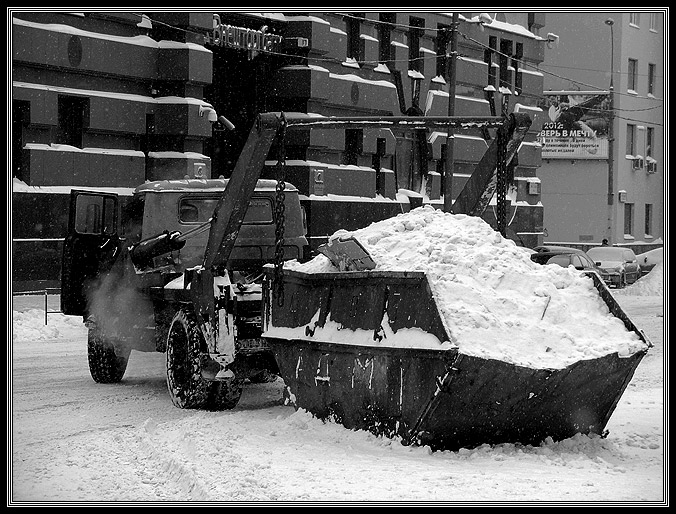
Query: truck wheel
pixel 187 387
pixel 107 361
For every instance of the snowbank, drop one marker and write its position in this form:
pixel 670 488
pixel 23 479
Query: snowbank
pixel 29 325
pixel 495 301
pixel 651 284
pixel 651 257
pixel 648 260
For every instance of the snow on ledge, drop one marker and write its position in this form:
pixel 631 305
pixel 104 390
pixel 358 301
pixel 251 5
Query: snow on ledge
pixel 177 155
pixel 140 40
pixel 67 29
pixel 110 94
pixel 19 186
pixel 68 148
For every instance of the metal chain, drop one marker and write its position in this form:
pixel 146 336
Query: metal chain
pixel 502 184
pixel 278 286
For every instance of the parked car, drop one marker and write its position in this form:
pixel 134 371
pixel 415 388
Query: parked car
pixel 619 266
pixel 564 256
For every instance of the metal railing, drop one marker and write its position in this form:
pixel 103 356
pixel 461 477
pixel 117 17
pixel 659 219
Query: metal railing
pixel 46 292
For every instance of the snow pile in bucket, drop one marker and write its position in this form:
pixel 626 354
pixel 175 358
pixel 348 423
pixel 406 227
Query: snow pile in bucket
pixel 496 302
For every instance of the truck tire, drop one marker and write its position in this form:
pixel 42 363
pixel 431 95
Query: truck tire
pixel 107 361
pixel 187 387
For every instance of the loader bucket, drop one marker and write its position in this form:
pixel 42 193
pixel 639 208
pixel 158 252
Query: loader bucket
pixel 425 393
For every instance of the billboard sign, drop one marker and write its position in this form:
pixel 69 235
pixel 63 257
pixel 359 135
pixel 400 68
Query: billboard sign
pixel 576 125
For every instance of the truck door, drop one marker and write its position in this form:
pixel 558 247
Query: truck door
pixel 91 246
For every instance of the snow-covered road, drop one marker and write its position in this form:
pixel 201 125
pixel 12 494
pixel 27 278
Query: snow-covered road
pixel 73 440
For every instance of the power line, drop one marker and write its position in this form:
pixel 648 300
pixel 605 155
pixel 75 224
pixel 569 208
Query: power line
pixel 414 59
pixel 497 52
pixel 615 109
pixel 548 65
pixel 550 73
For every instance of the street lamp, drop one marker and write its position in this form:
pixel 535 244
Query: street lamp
pixel 611 137
pixel 610 22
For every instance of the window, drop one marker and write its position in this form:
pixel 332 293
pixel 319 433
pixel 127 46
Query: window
pixel 20 118
pixel 518 77
pixel 441 168
pixel 415 34
pixel 199 209
pixel 651 79
pixel 634 18
pixel 631 139
pixel 259 211
pixel 385 37
pixel 628 219
pixel 355 44
pixel 381 147
pixel 653 21
pixel 147 140
pixel 488 59
pixel 443 43
pixel 631 74
pixel 648 228
pixel 503 59
pixel 587 262
pixel 354 145
pixel 95 214
pixel 73 119
pixel 649 139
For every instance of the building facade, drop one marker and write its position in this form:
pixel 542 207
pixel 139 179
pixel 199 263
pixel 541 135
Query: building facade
pixel 113 99
pixel 618 192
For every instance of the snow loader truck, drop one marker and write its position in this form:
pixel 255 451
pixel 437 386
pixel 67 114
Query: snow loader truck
pixel 181 266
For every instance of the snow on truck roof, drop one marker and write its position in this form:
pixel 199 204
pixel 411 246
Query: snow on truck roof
pixel 209 185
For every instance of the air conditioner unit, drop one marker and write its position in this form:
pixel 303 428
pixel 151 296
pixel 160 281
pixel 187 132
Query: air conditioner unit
pixel 651 167
pixel 622 196
pixel 637 163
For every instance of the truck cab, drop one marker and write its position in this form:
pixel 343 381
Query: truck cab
pixel 102 223
pixel 185 205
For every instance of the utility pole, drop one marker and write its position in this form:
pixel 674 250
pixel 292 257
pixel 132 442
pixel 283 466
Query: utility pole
pixel 450 165
pixel 610 229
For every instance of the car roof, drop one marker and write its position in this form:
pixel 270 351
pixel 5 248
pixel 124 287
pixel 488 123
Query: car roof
pixel 611 248
pixel 543 253
pixel 556 249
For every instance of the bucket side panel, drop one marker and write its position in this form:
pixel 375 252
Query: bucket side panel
pixel 357 304
pixel 435 399
pixel 358 301
pixel 492 402
pixel 361 388
pixel 302 300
